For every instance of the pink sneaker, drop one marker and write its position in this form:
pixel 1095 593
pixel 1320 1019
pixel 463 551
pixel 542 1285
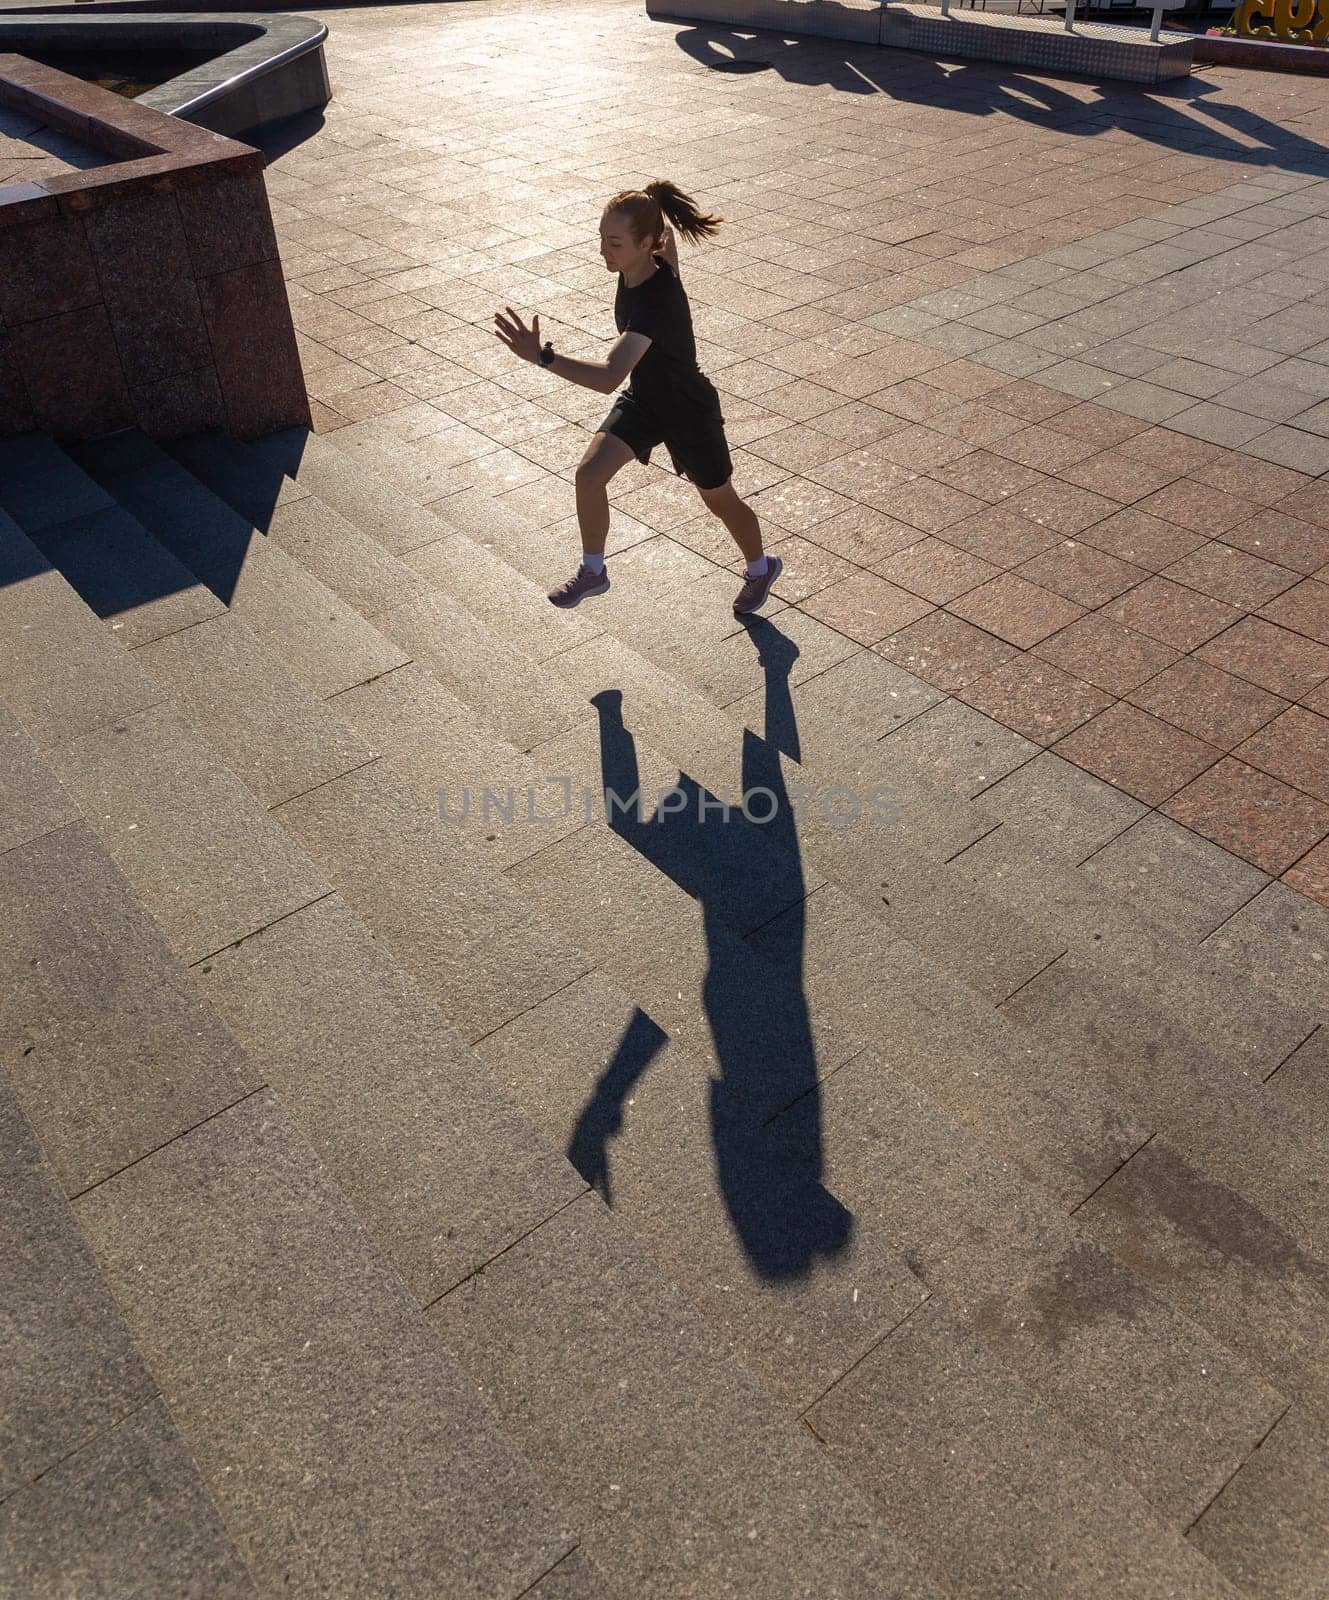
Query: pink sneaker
pixel 753 593
pixel 577 588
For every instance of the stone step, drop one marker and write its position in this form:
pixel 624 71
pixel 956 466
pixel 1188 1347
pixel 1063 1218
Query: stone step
pixel 64 675
pixel 346 1449
pixel 738 1502
pixel 994 1485
pixel 94 1476
pixel 1058 1309
pixel 474 886
pixel 325 642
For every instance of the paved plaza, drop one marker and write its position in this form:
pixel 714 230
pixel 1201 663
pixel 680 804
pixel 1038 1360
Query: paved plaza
pixel 409 1197
pixel 1029 376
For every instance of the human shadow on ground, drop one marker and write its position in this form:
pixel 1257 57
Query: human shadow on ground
pixel 756 1008
pixel 1179 115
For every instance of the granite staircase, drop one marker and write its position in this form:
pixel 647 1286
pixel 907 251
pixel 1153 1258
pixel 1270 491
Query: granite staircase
pixel 418 1196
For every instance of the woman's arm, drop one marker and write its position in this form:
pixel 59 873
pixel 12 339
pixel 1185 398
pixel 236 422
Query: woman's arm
pixel 603 376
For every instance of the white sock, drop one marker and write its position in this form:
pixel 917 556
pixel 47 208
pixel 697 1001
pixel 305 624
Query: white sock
pixel 757 568
pixel 595 564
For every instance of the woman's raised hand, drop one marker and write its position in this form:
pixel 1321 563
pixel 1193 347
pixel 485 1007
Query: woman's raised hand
pixel 521 340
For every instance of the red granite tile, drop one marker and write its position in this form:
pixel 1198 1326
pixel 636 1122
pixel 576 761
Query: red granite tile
pixel 1064 507
pixel 862 535
pixel 1082 573
pixel 253 342
pixel 807 567
pixel 944 651
pixel 968 379
pixel 918 447
pixel 1251 814
pixel 1310 503
pixel 1134 536
pixel 1133 751
pixel 1096 425
pixel 1208 702
pixel 913 399
pixel 1293 747
pixel 1034 698
pixel 1310 875
pixel 15 406
pixel 189 402
pixel 1176 453
pixel 977 424
pixel 930 506
pixel 1105 654
pixel 990 477
pixel 798 504
pixel 1031 400
pixel 70 369
pixel 227 224
pixel 1284 663
pixel 1232 576
pixel 1198 506
pixel 45 269
pixel 1286 541
pixel 1001 536
pixel 1318 699
pixel 1304 609
pixel 866 607
pixel 1015 609
pixel 1171 612
pixel 1118 476
pixel 936 570
pixel 1260 481
pixel 1041 446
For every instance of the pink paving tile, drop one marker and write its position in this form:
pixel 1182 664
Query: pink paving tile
pixel 931 507
pixel 1065 508
pixel 936 570
pixel 1260 481
pixel 1283 662
pixel 1287 541
pixel 807 567
pixel 1113 658
pixel 866 607
pixel 1181 617
pixel 1034 698
pixel 862 535
pixel 989 477
pixel 978 424
pixel 1208 702
pixel 1031 401
pixel 1041 446
pixel 913 400
pixel 1318 699
pixel 1132 535
pixel 1293 747
pixel 1198 506
pixel 968 379
pixel 1140 754
pixel 1310 503
pixel 1230 575
pixel 1016 610
pixel 1251 814
pixel 1176 453
pixel 944 651
pixel 1083 573
pixel 1303 609
pixel 798 504
pixel 1002 536
pixel 1119 477
pixel 1310 875
pixel 1096 425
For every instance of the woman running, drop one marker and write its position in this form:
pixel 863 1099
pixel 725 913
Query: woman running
pixel 669 401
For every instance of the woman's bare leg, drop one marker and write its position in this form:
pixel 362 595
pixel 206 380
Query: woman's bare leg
pixel 605 455
pixel 737 516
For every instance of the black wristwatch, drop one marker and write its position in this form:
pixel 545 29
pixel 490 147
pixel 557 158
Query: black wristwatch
pixel 547 354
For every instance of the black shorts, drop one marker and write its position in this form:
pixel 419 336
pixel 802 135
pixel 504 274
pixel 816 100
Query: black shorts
pixel 701 456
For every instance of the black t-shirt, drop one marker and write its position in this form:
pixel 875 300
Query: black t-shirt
pixel 666 382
